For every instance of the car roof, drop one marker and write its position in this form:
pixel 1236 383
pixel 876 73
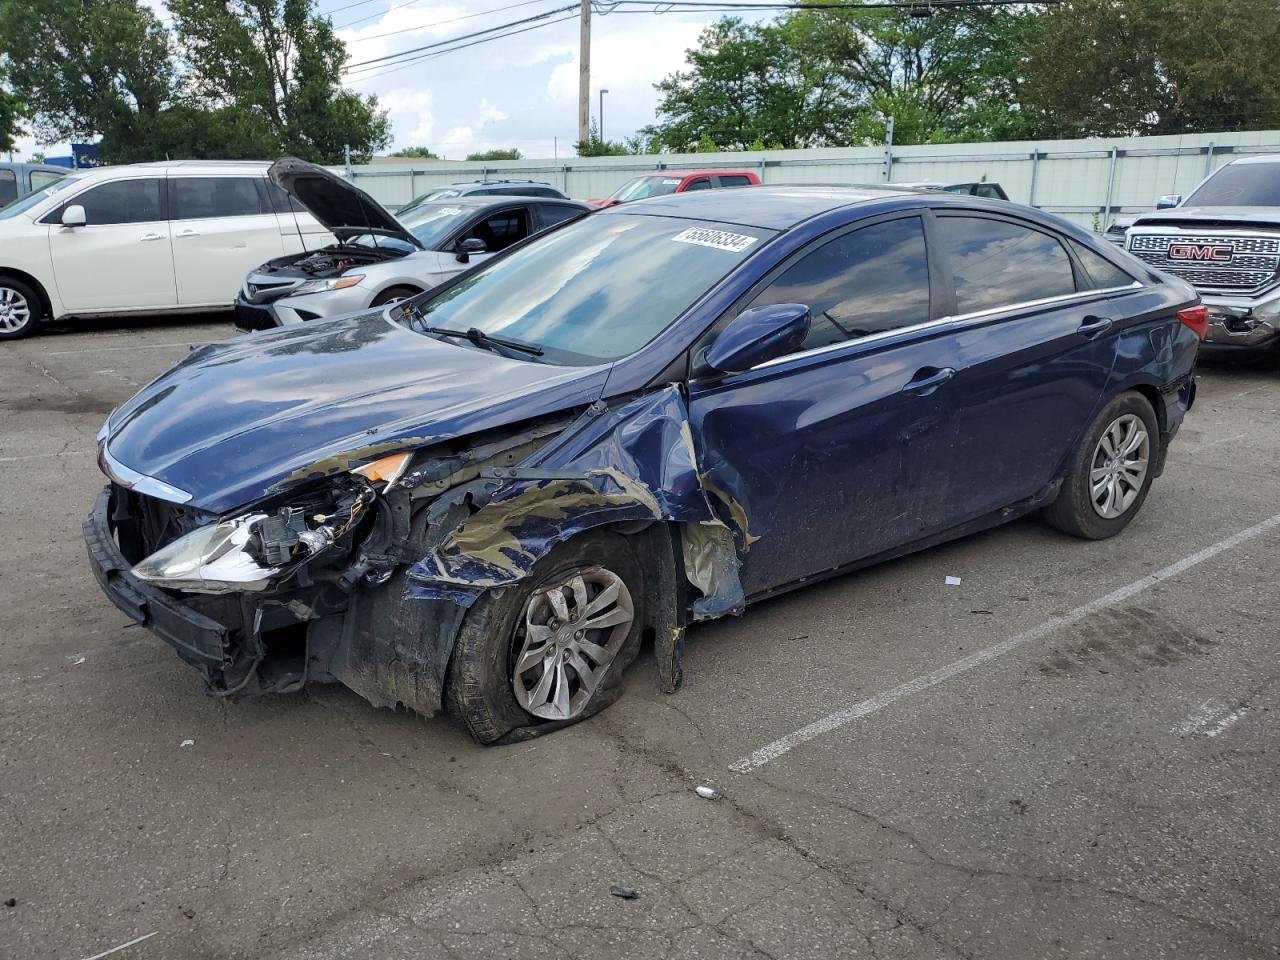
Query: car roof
pixel 770 208
pixel 1264 158
pixel 479 202
pixel 686 174
pixel 168 167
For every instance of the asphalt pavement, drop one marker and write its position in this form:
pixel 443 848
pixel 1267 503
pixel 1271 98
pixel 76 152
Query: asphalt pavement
pixel 1074 752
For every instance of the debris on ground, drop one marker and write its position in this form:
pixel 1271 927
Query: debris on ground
pixel 11 902
pixel 952 581
pixel 624 893
pixel 186 743
pixel 707 793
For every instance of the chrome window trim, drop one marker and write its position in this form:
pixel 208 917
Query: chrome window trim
pixel 138 482
pixel 955 319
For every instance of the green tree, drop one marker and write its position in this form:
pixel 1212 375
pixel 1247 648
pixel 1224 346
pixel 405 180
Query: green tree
pixel 1121 67
pixel 416 152
pixel 280 64
pixel 593 146
pixel 97 67
pixel 512 154
pixel 10 114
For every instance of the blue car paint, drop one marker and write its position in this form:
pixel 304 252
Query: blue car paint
pixel 631 463
pixel 240 419
pixel 813 464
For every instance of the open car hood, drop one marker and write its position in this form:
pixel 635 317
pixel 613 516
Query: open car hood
pixel 343 208
pixel 242 418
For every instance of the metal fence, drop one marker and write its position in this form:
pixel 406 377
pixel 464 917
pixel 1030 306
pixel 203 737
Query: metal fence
pixel 1088 181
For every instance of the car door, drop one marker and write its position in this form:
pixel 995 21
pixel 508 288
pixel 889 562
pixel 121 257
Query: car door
pixel 222 227
pixel 835 452
pixel 1033 353
pixel 122 258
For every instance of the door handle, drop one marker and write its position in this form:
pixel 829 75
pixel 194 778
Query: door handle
pixel 149 237
pixel 924 382
pixel 1094 326
pixel 189 233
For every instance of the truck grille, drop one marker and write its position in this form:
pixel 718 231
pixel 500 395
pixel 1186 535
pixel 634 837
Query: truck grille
pixel 1254 263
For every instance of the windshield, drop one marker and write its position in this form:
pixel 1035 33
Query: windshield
pixel 432 222
pixel 31 199
pixel 596 290
pixel 638 188
pixel 1239 185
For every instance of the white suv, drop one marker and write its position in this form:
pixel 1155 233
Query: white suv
pixel 146 238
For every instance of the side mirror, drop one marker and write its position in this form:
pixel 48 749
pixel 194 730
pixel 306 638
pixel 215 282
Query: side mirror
pixel 469 246
pixel 758 334
pixel 1172 200
pixel 73 216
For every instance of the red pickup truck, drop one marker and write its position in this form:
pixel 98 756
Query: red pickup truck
pixel 661 182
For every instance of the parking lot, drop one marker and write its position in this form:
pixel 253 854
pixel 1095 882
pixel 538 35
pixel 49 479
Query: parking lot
pixel 1072 752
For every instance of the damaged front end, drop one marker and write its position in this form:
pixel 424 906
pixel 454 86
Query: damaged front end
pixel 364 574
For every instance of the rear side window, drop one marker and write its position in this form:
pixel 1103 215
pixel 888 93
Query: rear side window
pixel 989 191
pixel 996 263
pixel 868 281
pixel 42 178
pixel 1102 273
pixel 125 201
pixel 281 200
pixel 204 198
pixel 738 181
pixel 541 192
pixel 8 186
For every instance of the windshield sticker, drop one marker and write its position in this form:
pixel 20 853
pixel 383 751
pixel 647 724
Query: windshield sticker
pixel 450 211
pixel 671 182
pixel 719 239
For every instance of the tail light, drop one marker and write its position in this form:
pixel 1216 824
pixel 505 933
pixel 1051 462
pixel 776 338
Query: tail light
pixel 1197 319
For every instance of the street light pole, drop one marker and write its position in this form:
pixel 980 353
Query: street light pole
pixel 603 91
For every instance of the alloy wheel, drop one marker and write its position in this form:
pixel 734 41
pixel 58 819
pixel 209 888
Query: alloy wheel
pixel 570 634
pixel 15 311
pixel 1119 466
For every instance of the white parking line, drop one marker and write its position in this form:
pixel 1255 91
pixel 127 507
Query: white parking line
pixel 783 745
pixel 46 456
pixel 138 346
pixel 1209 720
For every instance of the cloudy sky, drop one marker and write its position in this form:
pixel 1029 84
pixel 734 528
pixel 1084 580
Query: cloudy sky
pixel 516 92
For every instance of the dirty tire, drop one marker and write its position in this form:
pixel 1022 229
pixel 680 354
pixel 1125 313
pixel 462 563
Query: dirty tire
pixel 20 309
pixel 478 689
pixel 1074 512
pixel 392 294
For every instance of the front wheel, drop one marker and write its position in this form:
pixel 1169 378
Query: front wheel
pixel 1110 472
pixel 394 295
pixel 549 649
pixel 20 309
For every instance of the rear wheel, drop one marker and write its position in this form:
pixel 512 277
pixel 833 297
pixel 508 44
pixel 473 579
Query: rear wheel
pixel 394 295
pixel 20 309
pixel 546 649
pixel 1110 472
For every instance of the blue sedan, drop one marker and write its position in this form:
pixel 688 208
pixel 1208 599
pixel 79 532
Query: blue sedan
pixel 486 498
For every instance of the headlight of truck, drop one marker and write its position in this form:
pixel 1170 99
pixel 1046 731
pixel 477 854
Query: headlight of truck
pixel 323 286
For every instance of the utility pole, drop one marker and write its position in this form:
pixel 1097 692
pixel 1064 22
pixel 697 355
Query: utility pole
pixel 584 75
pixel 603 91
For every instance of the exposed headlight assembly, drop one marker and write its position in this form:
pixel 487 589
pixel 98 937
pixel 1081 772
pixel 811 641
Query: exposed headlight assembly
pixel 334 283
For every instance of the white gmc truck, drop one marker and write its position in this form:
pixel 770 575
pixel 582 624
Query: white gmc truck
pixel 1224 238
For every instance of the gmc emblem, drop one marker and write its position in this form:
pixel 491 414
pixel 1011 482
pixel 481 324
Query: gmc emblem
pixel 1218 252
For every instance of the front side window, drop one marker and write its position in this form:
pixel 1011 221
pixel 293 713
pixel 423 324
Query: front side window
pixel 125 201
pixel 640 188
pixel 703 184
pixel 203 198
pixel 1239 185
pixel 8 186
pixel 501 230
pixel 996 263
pixel 868 281
pixel 595 290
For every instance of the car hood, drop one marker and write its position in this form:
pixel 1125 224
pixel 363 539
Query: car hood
pixel 343 208
pixel 1232 217
pixel 238 420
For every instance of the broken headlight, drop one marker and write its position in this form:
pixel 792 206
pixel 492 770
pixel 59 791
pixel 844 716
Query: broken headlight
pixel 248 552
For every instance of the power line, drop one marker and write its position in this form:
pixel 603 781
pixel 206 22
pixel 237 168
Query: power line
pixel 441 23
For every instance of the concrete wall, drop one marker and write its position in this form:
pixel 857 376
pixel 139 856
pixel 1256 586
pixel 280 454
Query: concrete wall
pixel 1088 181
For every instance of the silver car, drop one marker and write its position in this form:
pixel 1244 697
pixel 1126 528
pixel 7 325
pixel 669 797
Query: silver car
pixel 379 259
